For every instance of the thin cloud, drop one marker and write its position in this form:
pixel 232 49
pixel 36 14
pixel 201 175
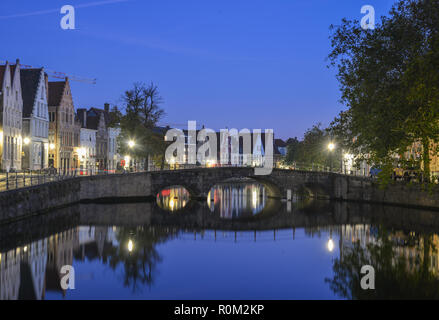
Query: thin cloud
pixel 48 11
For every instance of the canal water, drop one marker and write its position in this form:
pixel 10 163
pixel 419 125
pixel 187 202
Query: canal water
pixel 237 244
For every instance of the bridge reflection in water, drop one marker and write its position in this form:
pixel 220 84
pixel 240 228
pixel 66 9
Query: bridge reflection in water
pixel 236 200
pixel 311 250
pixel 173 198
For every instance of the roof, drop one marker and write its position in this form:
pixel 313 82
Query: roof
pixel 12 68
pixel 280 143
pixel 56 90
pixel 101 111
pixel 30 80
pixel 2 72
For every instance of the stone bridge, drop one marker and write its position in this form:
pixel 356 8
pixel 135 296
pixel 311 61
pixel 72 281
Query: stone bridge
pixel 200 181
pixel 17 204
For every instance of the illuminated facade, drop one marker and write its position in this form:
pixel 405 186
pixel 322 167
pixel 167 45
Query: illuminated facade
pixel 11 108
pixel 63 129
pixel 35 119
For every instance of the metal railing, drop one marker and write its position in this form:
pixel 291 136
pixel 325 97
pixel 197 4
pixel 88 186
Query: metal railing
pixel 27 178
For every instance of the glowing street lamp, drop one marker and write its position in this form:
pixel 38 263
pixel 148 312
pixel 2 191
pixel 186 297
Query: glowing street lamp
pixel 51 146
pixel 131 143
pixel 331 146
pixel 26 141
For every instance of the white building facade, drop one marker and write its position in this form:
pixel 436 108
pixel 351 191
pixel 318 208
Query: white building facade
pixel 35 119
pixel 87 151
pixel 11 108
pixel 113 155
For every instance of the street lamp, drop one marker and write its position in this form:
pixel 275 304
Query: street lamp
pixel 26 141
pixel 131 143
pixel 51 146
pixel 331 147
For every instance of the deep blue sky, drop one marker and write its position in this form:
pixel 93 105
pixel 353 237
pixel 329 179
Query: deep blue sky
pixel 244 64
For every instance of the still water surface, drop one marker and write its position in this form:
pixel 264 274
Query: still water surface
pixel 238 244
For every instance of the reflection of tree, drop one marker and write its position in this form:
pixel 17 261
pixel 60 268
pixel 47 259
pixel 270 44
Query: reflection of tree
pixel 140 260
pixel 396 276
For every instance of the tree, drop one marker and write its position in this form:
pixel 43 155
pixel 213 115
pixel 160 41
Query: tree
pixel 292 150
pixel 313 150
pixel 142 113
pixel 388 80
pixel 115 117
pixel 139 262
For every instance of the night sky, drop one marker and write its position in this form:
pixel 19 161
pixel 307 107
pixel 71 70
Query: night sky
pixel 243 64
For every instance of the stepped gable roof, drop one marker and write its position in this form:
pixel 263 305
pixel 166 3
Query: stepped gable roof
pixel 30 80
pixel 56 90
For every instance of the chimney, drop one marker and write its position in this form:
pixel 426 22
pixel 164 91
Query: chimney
pixel 84 118
pixel 107 107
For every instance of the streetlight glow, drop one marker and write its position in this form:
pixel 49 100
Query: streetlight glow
pixel 131 143
pixel 26 140
pixel 52 146
pixel 331 146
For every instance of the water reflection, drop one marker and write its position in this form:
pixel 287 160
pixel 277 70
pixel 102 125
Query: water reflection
pixel 135 251
pixel 237 200
pixel 173 198
pixel 405 263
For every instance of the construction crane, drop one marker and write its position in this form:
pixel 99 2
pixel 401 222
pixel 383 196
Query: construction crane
pixel 58 74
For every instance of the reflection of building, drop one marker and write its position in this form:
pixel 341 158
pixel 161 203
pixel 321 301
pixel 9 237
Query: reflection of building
pixel 33 270
pixel 60 253
pixel 95 242
pixel 351 234
pixel 9 275
pixel 237 199
pixel 410 246
pixel 23 271
pixel 173 198
pixel 27 272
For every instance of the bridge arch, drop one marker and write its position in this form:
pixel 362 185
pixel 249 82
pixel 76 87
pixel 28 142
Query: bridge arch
pixel 200 181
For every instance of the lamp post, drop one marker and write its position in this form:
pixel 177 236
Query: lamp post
pixel 331 147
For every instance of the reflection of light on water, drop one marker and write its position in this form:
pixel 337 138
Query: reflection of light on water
pixel 173 198
pixel 255 199
pixel 130 245
pixel 233 200
pixel 330 245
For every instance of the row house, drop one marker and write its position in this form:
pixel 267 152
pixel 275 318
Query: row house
pixel 34 84
pixel 98 146
pixel 11 108
pixel 113 155
pixel 64 129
